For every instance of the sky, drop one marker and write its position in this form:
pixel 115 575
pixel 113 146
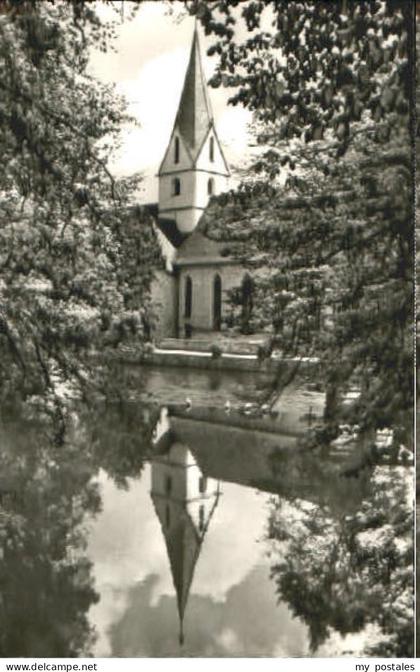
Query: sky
pixel 148 67
pixel 137 614
pixel 232 608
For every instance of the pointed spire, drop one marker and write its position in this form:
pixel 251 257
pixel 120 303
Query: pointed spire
pixel 181 632
pixel 194 115
pixel 183 534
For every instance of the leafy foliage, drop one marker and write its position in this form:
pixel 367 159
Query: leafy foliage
pixel 331 251
pixel 47 495
pixel 67 283
pixel 346 573
pixel 307 67
pixel 46 586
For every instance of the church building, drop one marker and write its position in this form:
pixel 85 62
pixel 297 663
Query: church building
pixel 193 288
pixel 184 501
pixel 194 167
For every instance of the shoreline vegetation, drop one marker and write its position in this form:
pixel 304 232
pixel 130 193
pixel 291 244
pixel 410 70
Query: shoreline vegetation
pixel 323 221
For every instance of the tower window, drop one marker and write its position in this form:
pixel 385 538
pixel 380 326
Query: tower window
pixel 176 151
pixel 247 303
pixel 211 149
pixel 176 186
pixel 202 484
pixel 210 186
pixel 188 297
pixel 201 518
pixel 217 303
pixel 168 485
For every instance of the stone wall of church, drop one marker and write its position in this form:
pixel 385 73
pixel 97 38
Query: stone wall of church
pixel 202 301
pixel 165 303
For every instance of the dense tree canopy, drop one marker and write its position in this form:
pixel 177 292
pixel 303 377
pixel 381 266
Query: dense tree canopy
pixel 67 284
pixel 329 85
pixel 46 587
pixel 350 573
pixel 308 67
pixel 75 271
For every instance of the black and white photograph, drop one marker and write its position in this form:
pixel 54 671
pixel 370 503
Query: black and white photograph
pixel 207 331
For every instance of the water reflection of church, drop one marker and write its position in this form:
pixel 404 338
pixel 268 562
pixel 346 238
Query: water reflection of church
pixel 184 501
pixel 195 450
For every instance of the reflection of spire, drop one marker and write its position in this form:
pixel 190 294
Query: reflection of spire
pixel 184 502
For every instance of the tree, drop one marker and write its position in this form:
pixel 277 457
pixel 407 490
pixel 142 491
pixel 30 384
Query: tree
pixel 351 572
pixel 120 437
pixel 47 496
pixel 417 280
pixel 67 285
pixel 308 67
pixel 46 586
pixel 329 85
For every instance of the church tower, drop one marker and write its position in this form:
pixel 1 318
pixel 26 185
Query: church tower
pixel 193 168
pixel 184 501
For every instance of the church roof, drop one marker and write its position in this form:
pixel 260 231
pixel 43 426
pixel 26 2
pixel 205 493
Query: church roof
pixel 147 212
pixel 208 238
pixel 170 231
pixel 198 246
pixel 182 539
pixel 232 219
pixel 272 463
pixel 194 116
pixel 183 544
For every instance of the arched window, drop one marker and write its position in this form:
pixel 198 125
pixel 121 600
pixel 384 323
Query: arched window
pixel 210 186
pixel 176 186
pixel 217 303
pixel 188 298
pixel 211 149
pixel 176 151
pixel 201 518
pixel 202 484
pixel 247 303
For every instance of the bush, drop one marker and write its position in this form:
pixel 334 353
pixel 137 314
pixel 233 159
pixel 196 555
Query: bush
pixel 263 352
pixel 216 351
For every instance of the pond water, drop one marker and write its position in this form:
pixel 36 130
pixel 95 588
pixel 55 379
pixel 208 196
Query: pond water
pixel 222 592
pixel 174 528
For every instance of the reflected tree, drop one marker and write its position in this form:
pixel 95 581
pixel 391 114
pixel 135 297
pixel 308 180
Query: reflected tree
pixel 345 573
pixel 46 586
pixel 47 495
pixel 120 436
